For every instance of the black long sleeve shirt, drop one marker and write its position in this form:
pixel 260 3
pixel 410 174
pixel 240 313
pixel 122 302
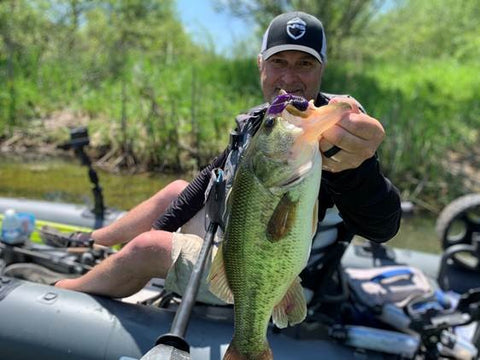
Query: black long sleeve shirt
pixel 367 201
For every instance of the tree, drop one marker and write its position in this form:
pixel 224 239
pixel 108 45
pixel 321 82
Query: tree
pixel 23 46
pixel 432 29
pixel 342 19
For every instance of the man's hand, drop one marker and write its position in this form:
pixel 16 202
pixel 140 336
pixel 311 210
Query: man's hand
pixel 356 134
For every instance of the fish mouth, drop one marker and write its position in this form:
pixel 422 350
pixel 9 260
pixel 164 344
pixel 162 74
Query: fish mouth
pixel 307 127
pixel 315 121
pixel 297 148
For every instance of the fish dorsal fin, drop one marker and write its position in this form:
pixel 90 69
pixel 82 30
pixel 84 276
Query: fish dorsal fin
pixel 282 219
pixel 218 278
pixel 292 309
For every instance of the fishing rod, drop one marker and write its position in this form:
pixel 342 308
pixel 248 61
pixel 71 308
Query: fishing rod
pixel 173 346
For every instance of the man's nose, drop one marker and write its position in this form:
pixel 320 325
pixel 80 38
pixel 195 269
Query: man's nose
pixel 289 74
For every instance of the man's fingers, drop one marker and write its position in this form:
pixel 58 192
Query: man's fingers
pixel 362 126
pixel 353 103
pixel 340 162
pixel 345 140
pixel 357 134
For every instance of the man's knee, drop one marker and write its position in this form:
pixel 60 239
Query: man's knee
pixel 148 252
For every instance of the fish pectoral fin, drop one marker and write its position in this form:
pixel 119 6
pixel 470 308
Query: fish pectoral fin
pixel 293 307
pixel 282 219
pixel 218 278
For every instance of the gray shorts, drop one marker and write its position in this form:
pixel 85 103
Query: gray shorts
pixel 185 250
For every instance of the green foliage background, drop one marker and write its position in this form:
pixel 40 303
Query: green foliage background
pixel 157 100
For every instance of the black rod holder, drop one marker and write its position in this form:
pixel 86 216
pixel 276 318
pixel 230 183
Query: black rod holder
pixel 78 140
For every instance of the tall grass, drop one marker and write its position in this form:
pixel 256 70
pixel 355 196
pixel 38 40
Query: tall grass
pixel 428 109
pixel 176 115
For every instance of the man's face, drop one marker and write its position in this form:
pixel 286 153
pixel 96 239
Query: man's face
pixel 296 72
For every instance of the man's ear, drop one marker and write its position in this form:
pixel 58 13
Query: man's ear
pixel 259 62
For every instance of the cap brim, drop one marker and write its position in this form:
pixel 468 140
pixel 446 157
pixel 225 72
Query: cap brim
pixel 276 49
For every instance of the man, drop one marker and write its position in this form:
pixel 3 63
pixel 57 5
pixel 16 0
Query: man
pixel 293 58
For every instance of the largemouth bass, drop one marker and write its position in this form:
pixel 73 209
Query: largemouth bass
pixel 272 217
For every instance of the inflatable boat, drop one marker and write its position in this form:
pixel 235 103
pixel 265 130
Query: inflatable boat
pixel 433 314
pixel 39 321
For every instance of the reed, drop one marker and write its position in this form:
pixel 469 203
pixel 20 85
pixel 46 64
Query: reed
pixel 176 115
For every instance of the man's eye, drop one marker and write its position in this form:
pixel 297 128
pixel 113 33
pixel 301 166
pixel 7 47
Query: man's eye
pixel 305 64
pixel 277 62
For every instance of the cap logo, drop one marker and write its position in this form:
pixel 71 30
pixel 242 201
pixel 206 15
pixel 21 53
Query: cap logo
pixel 296 28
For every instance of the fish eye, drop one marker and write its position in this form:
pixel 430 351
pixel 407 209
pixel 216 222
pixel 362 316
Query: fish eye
pixel 269 122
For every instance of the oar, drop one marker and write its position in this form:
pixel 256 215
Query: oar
pixel 173 346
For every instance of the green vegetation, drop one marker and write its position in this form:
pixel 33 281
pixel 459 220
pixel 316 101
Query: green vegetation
pixel 157 101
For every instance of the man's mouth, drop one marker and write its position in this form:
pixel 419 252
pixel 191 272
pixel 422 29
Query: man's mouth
pixel 298 92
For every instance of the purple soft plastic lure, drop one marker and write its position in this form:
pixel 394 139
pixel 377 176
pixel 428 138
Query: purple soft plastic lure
pixel 281 102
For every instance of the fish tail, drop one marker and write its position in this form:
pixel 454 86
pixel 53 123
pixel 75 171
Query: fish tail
pixel 232 353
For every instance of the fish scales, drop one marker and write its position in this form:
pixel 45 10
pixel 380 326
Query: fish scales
pixel 260 271
pixel 272 217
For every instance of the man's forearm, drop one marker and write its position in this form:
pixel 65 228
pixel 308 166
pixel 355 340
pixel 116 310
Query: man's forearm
pixel 190 201
pixel 368 202
pixel 140 218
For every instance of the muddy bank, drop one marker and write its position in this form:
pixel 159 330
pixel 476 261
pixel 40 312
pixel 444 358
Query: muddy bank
pixel 42 136
pixel 43 139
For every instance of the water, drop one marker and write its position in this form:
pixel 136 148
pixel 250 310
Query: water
pixel 417 232
pixel 64 180
pixel 67 181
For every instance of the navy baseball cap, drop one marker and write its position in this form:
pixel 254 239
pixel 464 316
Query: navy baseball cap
pixel 295 31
